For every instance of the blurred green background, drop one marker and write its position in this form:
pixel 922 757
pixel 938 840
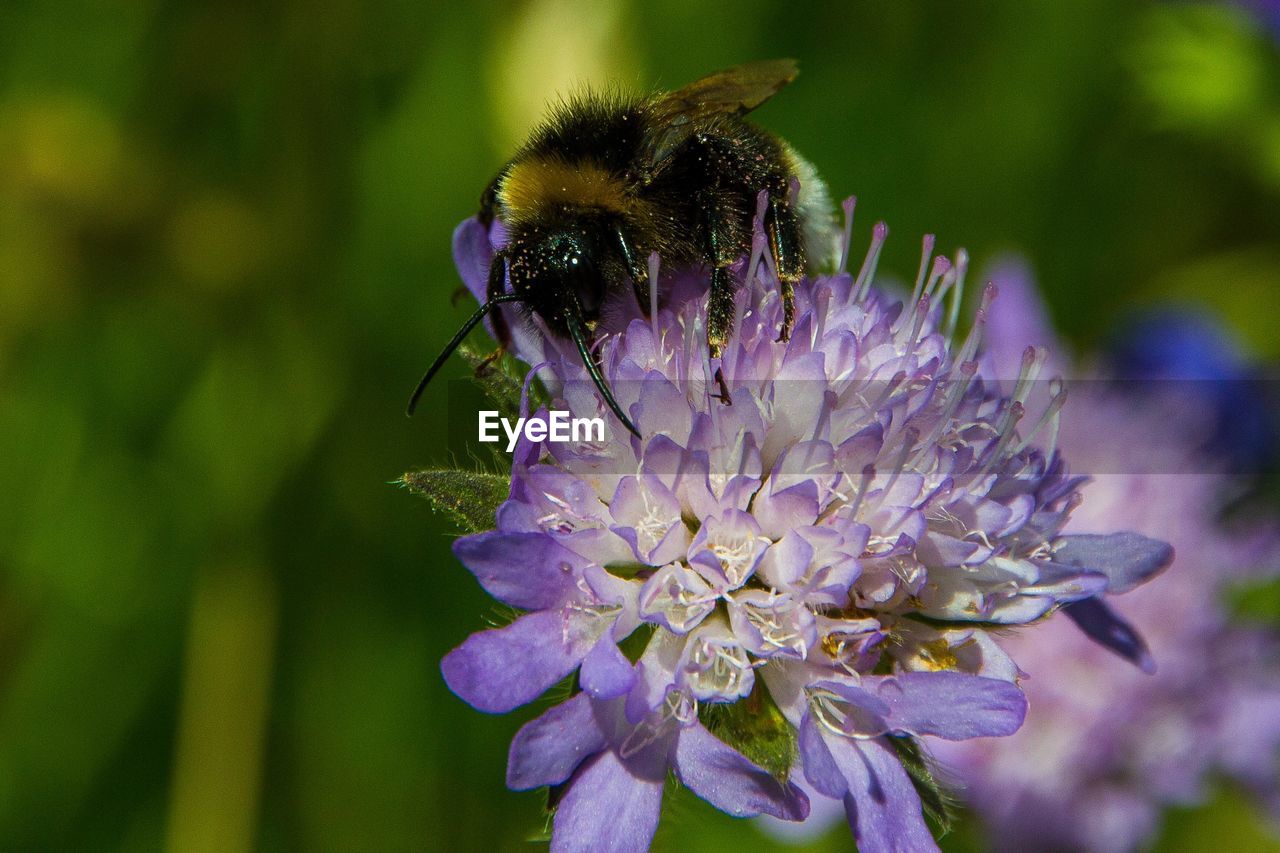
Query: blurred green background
pixel 224 260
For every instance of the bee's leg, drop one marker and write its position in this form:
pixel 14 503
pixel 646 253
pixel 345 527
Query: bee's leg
pixel 720 307
pixel 497 286
pixel 720 310
pixel 635 267
pixel 782 226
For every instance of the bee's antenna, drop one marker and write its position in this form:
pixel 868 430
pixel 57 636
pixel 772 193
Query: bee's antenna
pixel 454 344
pixel 574 318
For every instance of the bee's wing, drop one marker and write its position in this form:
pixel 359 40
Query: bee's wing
pixel 735 91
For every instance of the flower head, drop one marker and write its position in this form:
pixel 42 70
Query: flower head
pixel 823 529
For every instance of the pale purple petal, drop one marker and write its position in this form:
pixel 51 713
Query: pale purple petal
pixel 824 813
pixel 501 669
pixel 734 545
pixel 607 807
pixel 723 777
pixel 547 750
pixel 951 705
pixel 526 570
pixel 882 804
pixel 655 673
pixel 820 766
pixel 1127 559
pixel 1101 624
pixel 606 673
pixel 786 561
pixel 471 255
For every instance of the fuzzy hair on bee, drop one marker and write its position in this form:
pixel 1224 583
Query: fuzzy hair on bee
pixel 607 179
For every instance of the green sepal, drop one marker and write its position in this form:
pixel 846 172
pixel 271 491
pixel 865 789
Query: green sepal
pixel 502 381
pixel 756 728
pixel 939 803
pixel 470 498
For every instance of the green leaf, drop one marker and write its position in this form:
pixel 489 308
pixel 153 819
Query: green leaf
pixel 756 728
pixel 471 498
pixel 939 804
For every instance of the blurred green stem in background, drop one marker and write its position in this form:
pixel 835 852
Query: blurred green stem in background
pixel 226 692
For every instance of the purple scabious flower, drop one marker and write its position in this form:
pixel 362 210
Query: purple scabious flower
pixel 826 530
pixel 1105 749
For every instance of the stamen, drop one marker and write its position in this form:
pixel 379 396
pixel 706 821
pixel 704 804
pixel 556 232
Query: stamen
pixel 926 251
pixel 718 668
pixel 898 379
pixel 920 310
pixel 847 205
pixel 1012 415
pixel 528 384
pixel 653 301
pixel 962 267
pixel 1032 360
pixel 681 596
pixel 868 272
pixel 757 252
pixel 970 347
pixel 1057 400
pixel 910 435
pixel 652 526
pixel 767 258
pixel 868 474
pixel 920 300
pixel 758 240
pixel 822 301
pixel 941 266
pixel 954 395
pixel 774 633
pixel 824 412
pixel 826 707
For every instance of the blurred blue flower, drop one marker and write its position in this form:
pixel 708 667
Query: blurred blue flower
pixel 1267 13
pixel 1186 351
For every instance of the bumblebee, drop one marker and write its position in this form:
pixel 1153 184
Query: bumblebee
pixel 608 179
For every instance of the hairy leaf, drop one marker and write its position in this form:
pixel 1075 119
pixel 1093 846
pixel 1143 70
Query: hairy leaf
pixel 471 498
pixel 939 804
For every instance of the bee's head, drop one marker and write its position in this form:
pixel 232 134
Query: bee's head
pixel 550 267
pixel 559 273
